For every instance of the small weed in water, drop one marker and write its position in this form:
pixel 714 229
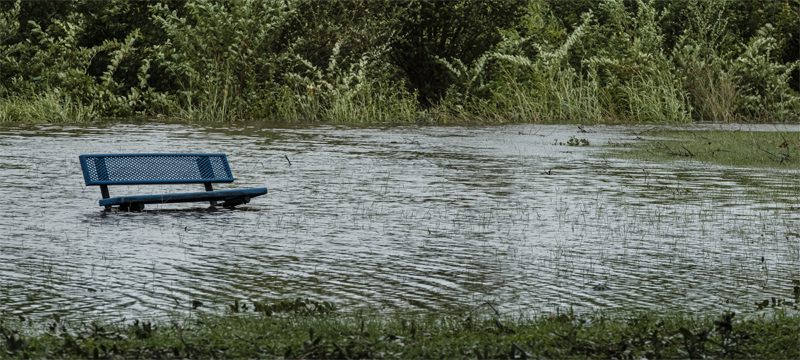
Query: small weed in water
pixel 573 141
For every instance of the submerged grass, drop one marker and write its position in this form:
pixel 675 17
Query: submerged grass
pixel 457 335
pixel 730 148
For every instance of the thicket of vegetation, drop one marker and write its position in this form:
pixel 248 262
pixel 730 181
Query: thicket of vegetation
pixel 387 61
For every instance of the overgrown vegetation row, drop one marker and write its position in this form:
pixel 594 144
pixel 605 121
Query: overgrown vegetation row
pixel 415 61
pixel 302 331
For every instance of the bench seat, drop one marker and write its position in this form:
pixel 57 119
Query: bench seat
pixel 235 196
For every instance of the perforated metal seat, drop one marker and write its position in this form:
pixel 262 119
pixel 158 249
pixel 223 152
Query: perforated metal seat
pixel 142 169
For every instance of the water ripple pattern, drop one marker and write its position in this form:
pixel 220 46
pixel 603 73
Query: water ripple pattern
pixel 419 218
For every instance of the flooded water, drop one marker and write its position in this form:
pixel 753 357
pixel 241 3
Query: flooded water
pixel 393 218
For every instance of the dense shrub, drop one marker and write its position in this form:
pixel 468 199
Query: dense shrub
pixel 383 61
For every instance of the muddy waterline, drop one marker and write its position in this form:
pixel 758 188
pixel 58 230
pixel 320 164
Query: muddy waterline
pixel 394 218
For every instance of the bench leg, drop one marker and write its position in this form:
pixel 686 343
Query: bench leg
pixel 209 187
pixel 131 207
pixel 230 204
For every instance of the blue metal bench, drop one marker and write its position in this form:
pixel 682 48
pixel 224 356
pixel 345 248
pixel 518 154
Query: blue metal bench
pixel 145 169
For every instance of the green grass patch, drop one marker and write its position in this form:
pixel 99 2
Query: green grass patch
pixel 730 148
pixel 324 334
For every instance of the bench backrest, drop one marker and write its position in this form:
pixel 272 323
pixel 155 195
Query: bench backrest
pixel 138 169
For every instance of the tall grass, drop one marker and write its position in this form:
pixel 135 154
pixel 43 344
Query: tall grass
pixel 369 104
pixel 49 108
pixel 700 59
pixel 564 97
pixel 656 96
pixel 631 81
pixel 519 88
pixel 216 53
pixel 344 94
pixel 618 71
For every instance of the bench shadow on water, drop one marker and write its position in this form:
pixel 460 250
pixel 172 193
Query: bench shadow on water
pixel 422 218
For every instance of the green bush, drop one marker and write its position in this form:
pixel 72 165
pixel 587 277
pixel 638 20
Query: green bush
pixel 764 82
pixel 219 55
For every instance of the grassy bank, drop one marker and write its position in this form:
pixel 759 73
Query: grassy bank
pixel 730 148
pixel 466 335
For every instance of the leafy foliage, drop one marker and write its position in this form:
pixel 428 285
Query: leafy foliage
pixel 383 61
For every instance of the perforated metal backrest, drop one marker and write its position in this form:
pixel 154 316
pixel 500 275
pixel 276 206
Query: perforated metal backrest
pixel 135 169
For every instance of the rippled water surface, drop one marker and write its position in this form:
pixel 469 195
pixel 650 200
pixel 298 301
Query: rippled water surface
pixel 393 218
